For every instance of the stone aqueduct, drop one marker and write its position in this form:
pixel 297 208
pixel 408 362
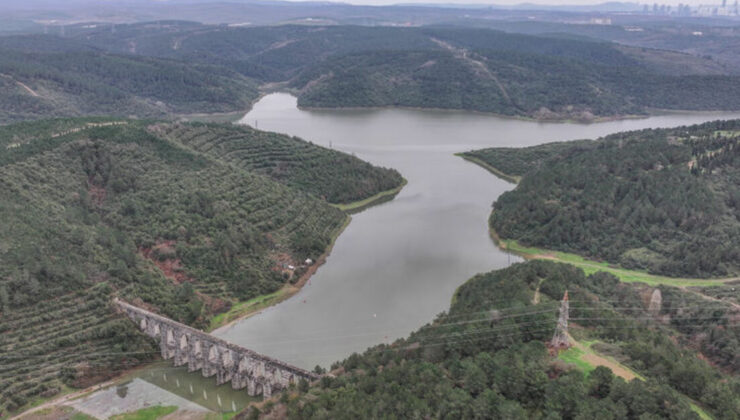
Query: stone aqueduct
pixel 213 356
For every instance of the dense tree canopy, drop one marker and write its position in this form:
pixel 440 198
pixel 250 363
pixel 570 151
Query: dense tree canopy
pixel 45 84
pixel 178 67
pixel 485 358
pixel 664 200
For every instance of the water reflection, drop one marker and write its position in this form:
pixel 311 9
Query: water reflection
pixel 195 388
pixel 162 384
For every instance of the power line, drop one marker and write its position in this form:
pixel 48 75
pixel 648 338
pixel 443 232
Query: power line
pixel 490 318
pixel 421 336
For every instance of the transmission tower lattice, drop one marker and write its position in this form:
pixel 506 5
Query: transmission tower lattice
pixel 560 339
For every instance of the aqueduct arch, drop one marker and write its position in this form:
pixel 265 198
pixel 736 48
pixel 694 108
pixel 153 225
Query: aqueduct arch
pixel 242 367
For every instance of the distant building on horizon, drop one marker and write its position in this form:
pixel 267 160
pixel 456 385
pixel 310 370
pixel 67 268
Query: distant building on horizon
pixel 718 10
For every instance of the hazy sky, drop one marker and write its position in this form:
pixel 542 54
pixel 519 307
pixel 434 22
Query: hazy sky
pixel 386 2
pixel 547 2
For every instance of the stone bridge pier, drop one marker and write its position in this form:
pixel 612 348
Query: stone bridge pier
pixel 243 368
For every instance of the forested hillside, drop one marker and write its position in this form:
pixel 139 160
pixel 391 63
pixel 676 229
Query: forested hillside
pixel 93 208
pixel 486 357
pixel 664 200
pixel 545 77
pixel 334 176
pixel 510 79
pixel 719 42
pixel 483 70
pixel 41 81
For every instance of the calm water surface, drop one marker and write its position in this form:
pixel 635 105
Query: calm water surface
pixel 162 384
pixel 398 264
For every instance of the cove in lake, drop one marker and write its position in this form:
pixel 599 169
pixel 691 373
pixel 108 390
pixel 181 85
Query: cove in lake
pixel 397 265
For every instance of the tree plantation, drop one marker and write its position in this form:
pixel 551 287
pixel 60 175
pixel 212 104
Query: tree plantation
pixel 335 176
pixel 93 208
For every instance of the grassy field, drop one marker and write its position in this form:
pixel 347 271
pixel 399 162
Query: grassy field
pixel 585 359
pixel 591 266
pixel 726 133
pixel 251 306
pixel 702 414
pixel 149 413
pixel 381 197
pixel 220 416
pixel 506 177
pixel 574 356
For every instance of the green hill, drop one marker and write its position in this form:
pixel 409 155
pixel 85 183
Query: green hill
pixel 335 176
pixel 544 77
pixel 93 208
pixel 486 357
pixel 509 81
pixel 44 84
pixel 663 200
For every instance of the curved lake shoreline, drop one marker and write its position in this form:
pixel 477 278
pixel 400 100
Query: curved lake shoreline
pixel 495 171
pixel 245 309
pixel 379 198
pixel 585 263
pixel 397 264
pixel 563 120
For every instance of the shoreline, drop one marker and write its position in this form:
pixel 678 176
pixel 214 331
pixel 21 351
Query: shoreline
pixel 513 179
pixel 563 120
pixel 589 266
pixel 236 115
pixel 284 293
pixel 258 304
pixel 222 117
pixel 379 198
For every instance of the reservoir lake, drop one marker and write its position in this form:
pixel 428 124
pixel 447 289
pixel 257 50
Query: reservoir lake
pixel 397 264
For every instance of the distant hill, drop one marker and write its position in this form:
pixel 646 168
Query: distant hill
pixel 486 357
pixel 170 68
pixel 702 38
pixel 48 77
pixel 93 208
pixel 545 78
pixel 550 76
pixel 664 200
